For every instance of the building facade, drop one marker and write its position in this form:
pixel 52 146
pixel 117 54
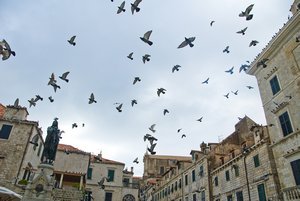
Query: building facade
pixel 279 85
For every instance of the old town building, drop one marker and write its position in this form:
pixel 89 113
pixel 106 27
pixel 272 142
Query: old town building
pixel 279 85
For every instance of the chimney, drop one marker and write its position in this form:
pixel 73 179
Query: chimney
pixel 131 169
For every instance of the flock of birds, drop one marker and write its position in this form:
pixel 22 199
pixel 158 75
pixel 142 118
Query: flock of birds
pixel 6 52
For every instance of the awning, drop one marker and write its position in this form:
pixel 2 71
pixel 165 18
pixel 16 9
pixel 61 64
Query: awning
pixel 8 195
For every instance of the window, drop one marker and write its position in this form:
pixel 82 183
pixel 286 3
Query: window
pixel 216 181
pixel 285 123
pixel 203 196
pixel 193 176
pixel 126 182
pixel 108 196
pixel 172 188
pixel 162 170
pixel 110 175
pixel 186 179
pixel 26 174
pixel 194 197
pixel 201 172
pixel 227 176
pixel 179 183
pixel 274 85
pixel 239 196
pixel 296 170
pixel 89 173
pixel 175 185
pixel 256 160
pixel 236 170
pixel 261 192
pixel 5 131
pixel 229 198
pixel 169 190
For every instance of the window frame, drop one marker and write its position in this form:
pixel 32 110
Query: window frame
pixel 10 127
pixel 227 175
pixel 285 123
pixel 108 175
pixel 275 85
pixel 256 160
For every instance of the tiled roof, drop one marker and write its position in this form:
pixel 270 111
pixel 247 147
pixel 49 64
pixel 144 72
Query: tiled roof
pixel 64 147
pixel 95 158
pixel 166 157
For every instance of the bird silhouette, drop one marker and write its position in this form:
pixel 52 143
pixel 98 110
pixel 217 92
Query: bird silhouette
pixel 146 37
pixel 244 67
pixel 147 136
pixel 253 43
pixel 175 68
pixel 16 103
pixel 151 128
pixel 52 79
pixel 134 6
pixel 230 70
pixel 130 56
pixel 187 41
pixel 206 81
pixel 5 50
pixel 92 99
pixel 226 49
pixel 32 102
pixel 151 149
pixel 227 95
pixel 136 79
pixel 200 119
pixel 74 125
pixel 55 86
pixel 64 76
pixel 72 40
pixel 101 182
pixel 211 22
pixel 235 92
pixel 51 99
pixel 249 87
pixel 34 140
pixel 178 130
pixel 262 63
pixel 183 135
pixel 246 13
pixel 119 107
pixel 121 8
pixel 242 31
pixel 133 102
pixel 136 160
pixel 165 111
pixel 37 98
pixel 146 57
pixel 161 91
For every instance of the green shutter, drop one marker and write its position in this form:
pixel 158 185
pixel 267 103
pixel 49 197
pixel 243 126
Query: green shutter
pixel 111 175
pixel 256 161
pixel 261 192
pixel 89 173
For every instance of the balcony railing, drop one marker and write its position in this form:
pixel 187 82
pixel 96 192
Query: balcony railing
pixel 292 193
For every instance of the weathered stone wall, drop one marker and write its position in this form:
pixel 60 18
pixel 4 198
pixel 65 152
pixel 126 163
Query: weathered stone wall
pixel 67 195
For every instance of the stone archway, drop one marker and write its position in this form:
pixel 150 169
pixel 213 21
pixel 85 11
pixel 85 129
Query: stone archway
pixel 128 197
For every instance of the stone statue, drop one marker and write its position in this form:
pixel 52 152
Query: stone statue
pixel 51 143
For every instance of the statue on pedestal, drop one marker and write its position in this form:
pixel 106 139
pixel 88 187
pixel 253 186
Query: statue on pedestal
pixel 51 143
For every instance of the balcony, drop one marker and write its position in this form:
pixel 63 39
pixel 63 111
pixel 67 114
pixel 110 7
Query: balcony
pixel 292 193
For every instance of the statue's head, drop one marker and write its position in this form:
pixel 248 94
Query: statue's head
pixel 55 122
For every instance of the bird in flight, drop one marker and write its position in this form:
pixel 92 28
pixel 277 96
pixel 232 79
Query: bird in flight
pixel 262 63
pixel 32 102
pixel 64 76
pixel 183 135
pixel 161 90
pixel 136 160
pixel 151 128
pixel 146 37
pixel 136 79
pixel 200 119
pixel 133 102
pixel 206 81
pixel 253 43
pixel 92 99
pixel 235 92
pixel 151 149
pixel 119 107
pixel 5 50
pixel 101 182
pixel 165 111
pixel 226 50
pixel 130 56
pixel 52 82
pixel 146 57
pixel 244 67
pixel 37 98
pixel 134 6
pixel 211 22
pixel 249 87
pixel 74 125
pixel 187 41
pixel 242 31
pixel 175 68
pixel 178 130
pixel 51 99
pixel 121 8
pixel 227 95
pixel 72 40
pixel 230 70
pixel 246 13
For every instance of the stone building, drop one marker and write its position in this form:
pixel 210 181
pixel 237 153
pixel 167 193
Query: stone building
pixel 21 145
pixel 279 85
pixel 120 184
pixel 70 167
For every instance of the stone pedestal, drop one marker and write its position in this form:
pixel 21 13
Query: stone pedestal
pixel 40 186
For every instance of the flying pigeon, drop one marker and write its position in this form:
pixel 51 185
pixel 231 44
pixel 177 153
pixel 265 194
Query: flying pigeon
pixel 51 99
pixel 32 102
pixel 211 23
pixel 55 86
pixel 34 140
pixel 151 128
pixel 64 76
pixel 146 57
pixel 147 136
pixel 5 50
pixel 151 149
pixel 246 13
pixel 230 70
pixel 161 90
pixel 187 41
pixel 151 139
pixel 37 98
pixel 130 56
pixel 74 125
pixel 179 130
pixel 52 79
pixel 83 124
pixel 262 63
pixel 253 43
pixel 121 8
pixel 72 40
pixel 235 92
pixel 92 99
pixel 206 81
pixel 226 49
pixel 227 95
pixel 134 6
pixel 16 103
pixel 136 79
pixel 242 31
pixel 133 102
pixel 101 182
pixel 136 160
pixel 175 68
pixel 200 120
pixel 146 37
pixel 119 107
pixel 183 135
pixel 249 87
pixel 244 67
pixel 166 111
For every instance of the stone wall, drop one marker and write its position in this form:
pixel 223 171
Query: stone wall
pixel 67 195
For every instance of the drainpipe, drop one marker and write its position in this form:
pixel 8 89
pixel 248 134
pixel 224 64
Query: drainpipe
pixel 24 154
pixel 247 180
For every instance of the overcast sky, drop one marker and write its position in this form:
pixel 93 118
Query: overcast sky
pixel 38 32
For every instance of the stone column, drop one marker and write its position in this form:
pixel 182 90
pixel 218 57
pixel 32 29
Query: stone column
pixel 81 182
pixel 61 180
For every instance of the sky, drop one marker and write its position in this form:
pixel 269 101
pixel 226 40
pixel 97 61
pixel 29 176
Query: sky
pixel 38 32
